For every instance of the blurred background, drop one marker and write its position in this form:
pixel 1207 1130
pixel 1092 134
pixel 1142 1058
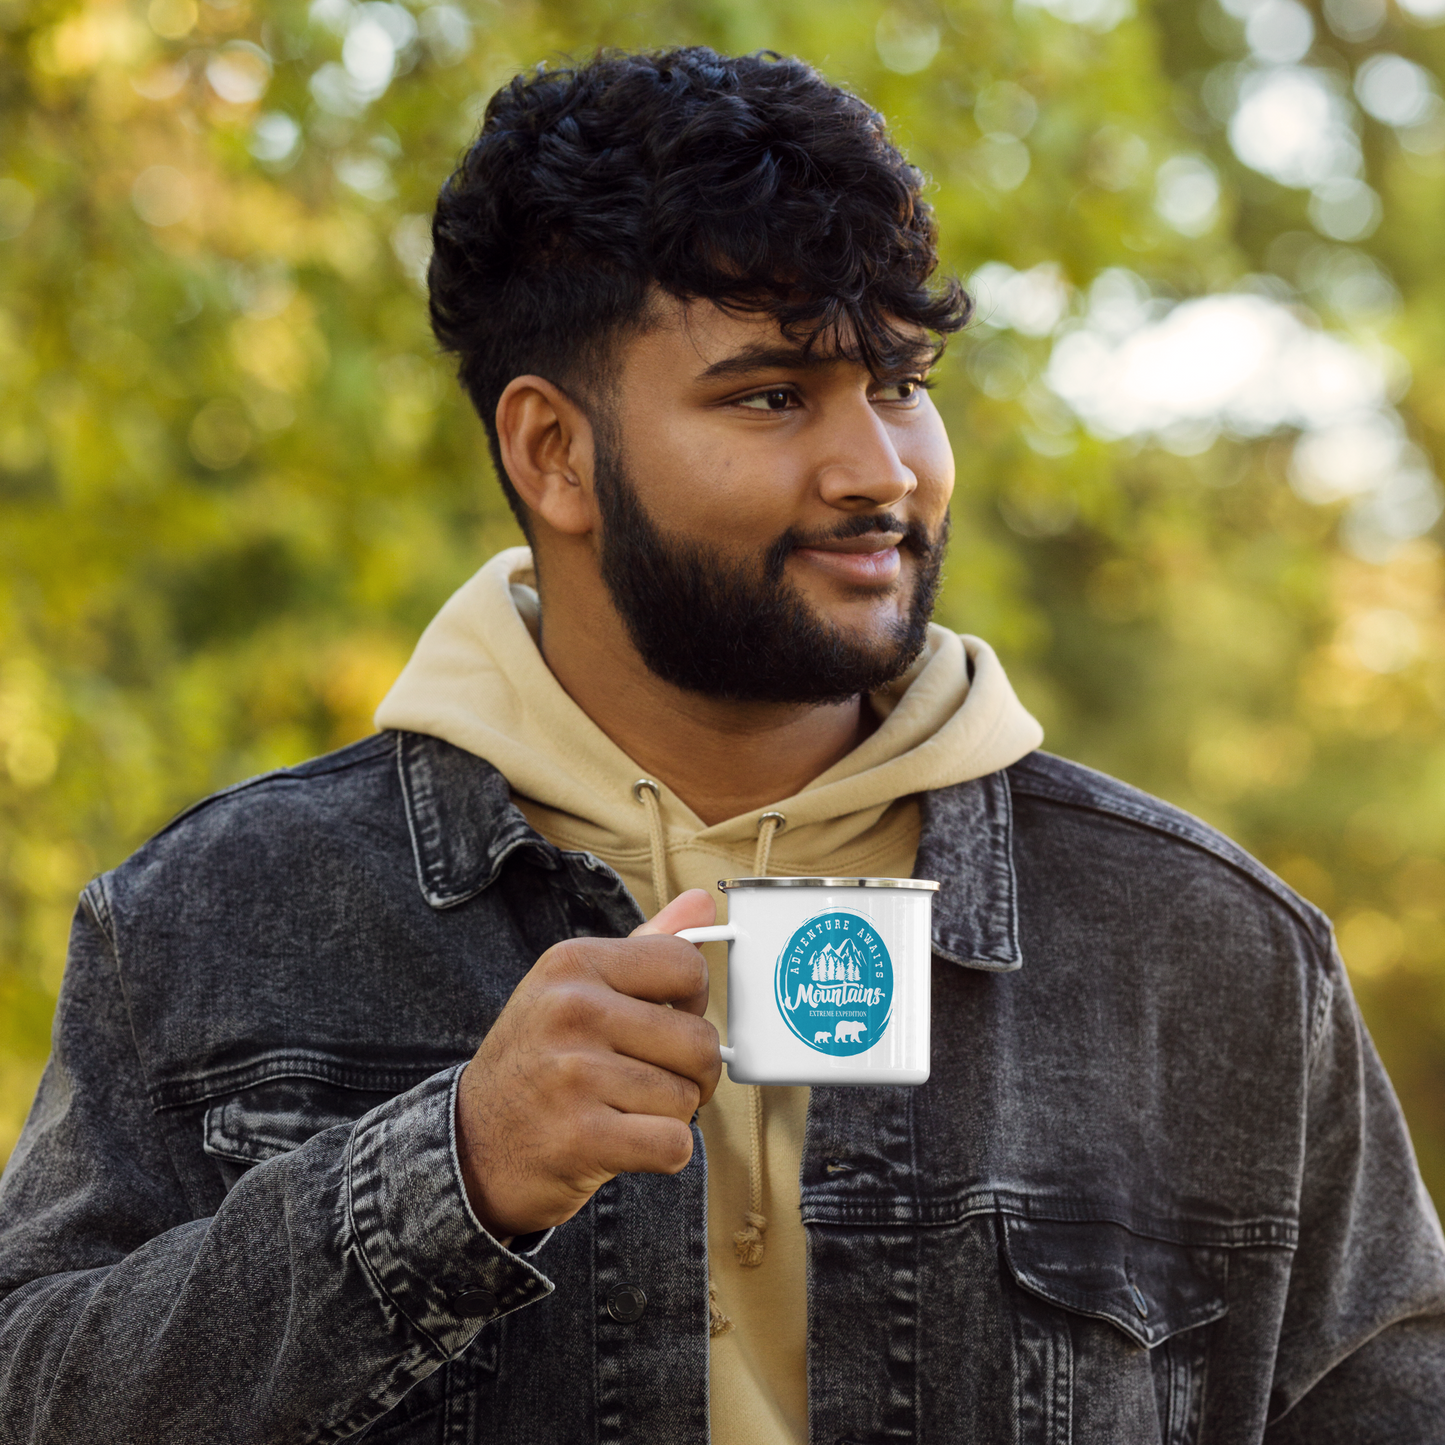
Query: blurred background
pixel 1198 423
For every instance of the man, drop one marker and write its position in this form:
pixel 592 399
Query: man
pixel 376 1107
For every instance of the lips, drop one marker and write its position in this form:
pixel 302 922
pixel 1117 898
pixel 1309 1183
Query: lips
pixel 867 559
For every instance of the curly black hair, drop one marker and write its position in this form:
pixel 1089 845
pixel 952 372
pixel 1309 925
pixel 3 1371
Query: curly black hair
pixel 748 180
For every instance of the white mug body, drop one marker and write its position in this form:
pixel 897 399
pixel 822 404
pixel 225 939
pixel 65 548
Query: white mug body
pixel 828 979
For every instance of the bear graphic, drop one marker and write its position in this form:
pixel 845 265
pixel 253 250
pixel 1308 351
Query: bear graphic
pixel 848 1033
pixel 822 1037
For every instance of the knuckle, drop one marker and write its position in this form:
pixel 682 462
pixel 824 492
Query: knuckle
pixel 573 1008
pixel 574 957
pixel 571 1072
pixel 557 958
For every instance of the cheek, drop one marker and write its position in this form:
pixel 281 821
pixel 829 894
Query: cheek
pixel 689 478
pixel 928 455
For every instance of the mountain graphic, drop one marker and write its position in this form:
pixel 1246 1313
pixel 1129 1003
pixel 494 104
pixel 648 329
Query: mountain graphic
pixel 841 964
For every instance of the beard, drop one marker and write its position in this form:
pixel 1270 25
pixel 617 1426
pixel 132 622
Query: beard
pixel 741 630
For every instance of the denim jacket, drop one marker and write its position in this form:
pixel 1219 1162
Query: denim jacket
pixel 1156 1189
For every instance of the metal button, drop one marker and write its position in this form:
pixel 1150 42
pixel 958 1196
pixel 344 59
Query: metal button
pixel 626 1303
pixel 473 1304
pixel 1140 1303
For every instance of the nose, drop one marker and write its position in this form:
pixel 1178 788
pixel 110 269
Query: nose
pixel 861 470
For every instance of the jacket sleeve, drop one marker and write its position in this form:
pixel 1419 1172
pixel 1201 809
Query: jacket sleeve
pixel 329 1282
pixel 1362 1344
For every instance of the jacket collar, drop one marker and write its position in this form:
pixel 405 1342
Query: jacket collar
pixel 464 827
pixel 966 842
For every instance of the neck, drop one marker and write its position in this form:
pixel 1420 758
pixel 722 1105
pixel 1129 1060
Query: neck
pixel 721 758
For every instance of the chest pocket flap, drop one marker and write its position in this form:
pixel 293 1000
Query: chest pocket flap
pixel 1149 1288
pixel 273 1118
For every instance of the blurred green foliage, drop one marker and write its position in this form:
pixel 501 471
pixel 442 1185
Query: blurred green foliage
pixel 236 481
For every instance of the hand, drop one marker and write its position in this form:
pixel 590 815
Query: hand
pixel 587 1073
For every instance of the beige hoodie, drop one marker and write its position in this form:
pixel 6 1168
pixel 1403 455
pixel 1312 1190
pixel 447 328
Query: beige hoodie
pixel 478 680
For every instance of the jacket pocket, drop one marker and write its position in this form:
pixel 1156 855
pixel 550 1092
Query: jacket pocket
pixel 1109 1334
pixel 274 1117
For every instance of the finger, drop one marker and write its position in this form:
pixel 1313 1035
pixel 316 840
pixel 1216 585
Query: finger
pixel 658 969
pixel 669 1039
pixel 632 1086
pixel 641 1143
pixel 693 909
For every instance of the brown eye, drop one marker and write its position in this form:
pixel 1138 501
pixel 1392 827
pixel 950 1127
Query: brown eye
pixel 904 391
pixel 776 398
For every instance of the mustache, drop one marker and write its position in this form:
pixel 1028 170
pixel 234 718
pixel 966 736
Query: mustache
pixel 913 537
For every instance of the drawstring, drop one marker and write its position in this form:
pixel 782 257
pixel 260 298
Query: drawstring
pixel 646 792
pixel 768 826
pixel 748 1241
pixel 717 1322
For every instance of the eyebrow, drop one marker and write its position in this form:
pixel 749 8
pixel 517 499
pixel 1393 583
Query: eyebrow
pixel 752 359
pixel 765 358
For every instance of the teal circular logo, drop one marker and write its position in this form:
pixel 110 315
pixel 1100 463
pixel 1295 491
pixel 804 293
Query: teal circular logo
pixel 835 983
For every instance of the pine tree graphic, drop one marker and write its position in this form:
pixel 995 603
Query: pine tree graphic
pixel 840 965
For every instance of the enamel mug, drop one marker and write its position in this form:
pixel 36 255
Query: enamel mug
pixel 828 979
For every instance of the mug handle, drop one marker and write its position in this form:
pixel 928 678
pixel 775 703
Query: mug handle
pixel 717 933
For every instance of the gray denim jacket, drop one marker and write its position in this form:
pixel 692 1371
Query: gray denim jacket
pixel 1157 1188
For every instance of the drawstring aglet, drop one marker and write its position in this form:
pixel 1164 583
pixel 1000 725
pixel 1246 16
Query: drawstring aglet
pixel 717 1322
pixel 748 1241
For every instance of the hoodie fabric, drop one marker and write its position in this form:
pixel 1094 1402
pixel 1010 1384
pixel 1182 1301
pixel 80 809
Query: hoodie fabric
pixel 478 680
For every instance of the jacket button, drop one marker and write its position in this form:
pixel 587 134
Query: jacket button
pixel 626 1303
pixel 1140 1303
pixel 473 1304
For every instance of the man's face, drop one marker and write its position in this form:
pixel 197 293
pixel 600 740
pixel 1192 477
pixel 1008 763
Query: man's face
pixel 772 527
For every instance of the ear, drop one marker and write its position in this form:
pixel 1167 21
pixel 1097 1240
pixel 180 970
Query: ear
pixel 547 449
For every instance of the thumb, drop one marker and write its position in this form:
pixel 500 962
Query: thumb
pixel 693 909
